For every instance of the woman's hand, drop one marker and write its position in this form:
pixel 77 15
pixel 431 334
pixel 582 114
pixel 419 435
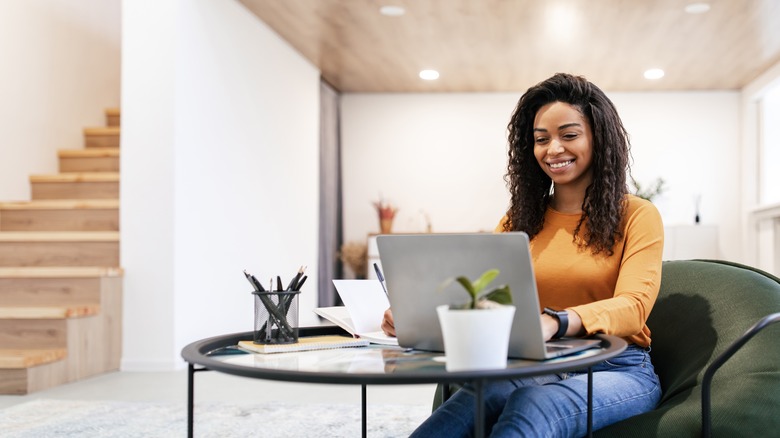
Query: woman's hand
pixel 388 326
pixel 550 325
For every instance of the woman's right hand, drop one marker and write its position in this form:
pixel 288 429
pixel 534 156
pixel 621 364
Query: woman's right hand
pixel 388 326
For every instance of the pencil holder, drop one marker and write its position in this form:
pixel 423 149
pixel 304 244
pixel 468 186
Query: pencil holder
pixel 276 317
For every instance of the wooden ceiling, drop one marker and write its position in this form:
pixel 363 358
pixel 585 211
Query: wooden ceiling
pixel 509 45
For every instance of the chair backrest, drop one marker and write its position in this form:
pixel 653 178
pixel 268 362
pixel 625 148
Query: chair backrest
pixel 703 306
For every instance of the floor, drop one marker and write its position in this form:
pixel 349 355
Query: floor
pixel 212 386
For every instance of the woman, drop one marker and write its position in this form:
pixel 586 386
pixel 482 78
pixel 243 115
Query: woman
pixel 597 258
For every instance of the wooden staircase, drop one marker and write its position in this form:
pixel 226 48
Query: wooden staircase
pixel 60 280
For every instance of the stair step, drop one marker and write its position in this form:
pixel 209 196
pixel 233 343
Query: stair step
pixel 33 333
pixel 113 117
pixel 102 137
pixel 54 286
pixel 20 381
pixel 77 248
pixel 24 370
pixel 26 358
pixel 60 236
pixel 81 185
pixel 60 215
pixel 60 272
pixel 49 312
pixel 89 160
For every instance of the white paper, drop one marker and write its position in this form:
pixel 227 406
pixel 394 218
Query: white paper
pixel 340 316
pixel 365 301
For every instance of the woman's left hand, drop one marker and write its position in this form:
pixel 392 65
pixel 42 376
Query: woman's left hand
pixel 549 326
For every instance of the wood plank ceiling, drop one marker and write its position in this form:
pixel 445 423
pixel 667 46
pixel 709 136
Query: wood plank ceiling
pixel 509 45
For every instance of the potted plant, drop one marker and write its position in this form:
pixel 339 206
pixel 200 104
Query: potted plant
pixel 476 334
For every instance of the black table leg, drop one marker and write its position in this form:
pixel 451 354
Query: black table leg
pixel 191 370
pixel 446 392
pixel 590 402
pixel 479 411
pixel 190 398
pixel 364 424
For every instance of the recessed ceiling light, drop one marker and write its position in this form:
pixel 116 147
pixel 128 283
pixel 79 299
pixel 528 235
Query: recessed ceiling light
pixel 697 8
pixel 429 75
pixel 654 73
pixel 392 10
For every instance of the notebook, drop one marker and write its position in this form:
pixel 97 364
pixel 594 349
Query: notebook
pixel 305 344
pixel 415 265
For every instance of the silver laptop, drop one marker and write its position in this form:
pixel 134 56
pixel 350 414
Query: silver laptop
pixel 415 265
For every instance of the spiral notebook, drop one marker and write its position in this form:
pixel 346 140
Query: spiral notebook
pixel 305 344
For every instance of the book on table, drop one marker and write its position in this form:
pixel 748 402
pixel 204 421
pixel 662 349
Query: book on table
pixel 361 315
pixel 305 344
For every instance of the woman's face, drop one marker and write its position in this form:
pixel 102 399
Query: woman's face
pixel 563 145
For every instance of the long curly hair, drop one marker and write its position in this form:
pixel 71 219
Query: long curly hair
pixel 531 189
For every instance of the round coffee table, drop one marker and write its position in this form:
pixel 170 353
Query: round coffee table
pixel 372 365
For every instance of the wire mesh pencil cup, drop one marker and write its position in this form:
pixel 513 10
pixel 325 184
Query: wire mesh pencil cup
pixel 276 317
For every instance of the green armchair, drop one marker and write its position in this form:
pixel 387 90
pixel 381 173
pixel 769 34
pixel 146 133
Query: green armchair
pixel 716 352
pixel 703 310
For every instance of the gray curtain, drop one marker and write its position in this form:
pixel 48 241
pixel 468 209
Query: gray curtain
pixel 330 235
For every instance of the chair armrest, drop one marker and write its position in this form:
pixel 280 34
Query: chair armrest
pixel 706 420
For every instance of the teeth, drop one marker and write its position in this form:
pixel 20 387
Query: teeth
pixel 559 165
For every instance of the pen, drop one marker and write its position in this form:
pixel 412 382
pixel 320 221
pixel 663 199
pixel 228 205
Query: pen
pixel 381 278
pixel 253 281
pixel 294 282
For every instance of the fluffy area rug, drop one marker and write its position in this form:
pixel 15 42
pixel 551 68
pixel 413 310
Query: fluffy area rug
pixel 107 419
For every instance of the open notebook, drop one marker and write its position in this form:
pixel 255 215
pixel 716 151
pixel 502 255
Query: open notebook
pixel 361 315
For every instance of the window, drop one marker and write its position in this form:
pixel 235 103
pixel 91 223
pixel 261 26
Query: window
pixel 769 152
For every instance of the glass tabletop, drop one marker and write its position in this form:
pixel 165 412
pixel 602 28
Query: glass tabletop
pixel 375 364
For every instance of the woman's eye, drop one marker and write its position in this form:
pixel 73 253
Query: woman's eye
pixel 541 140
pixel 570 136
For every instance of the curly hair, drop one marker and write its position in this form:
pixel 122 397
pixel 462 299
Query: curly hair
pixel 531 189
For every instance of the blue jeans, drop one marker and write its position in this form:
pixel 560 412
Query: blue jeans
pixel 553 405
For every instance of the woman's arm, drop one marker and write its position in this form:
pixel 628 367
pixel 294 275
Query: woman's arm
pixel 639 278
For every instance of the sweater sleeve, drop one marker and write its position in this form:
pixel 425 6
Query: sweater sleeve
pixel 638 282
pixel 500 226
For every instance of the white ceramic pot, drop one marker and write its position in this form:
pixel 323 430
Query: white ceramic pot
pixel 475 339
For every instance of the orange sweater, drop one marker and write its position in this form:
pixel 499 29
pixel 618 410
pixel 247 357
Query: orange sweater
pixel 612 295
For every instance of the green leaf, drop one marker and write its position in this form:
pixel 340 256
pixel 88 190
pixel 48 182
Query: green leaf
pixel 484 280
pixel 466 283
pixel 501 295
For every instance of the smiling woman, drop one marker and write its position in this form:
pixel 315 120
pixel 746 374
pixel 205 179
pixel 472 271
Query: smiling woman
pixel 596 254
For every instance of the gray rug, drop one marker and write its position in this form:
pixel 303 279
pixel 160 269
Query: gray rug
pixel 69 418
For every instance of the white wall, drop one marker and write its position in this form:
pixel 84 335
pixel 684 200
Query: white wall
pixel 446 154
pixel 60 71
pixel 443 154
pixel 691 140
pixel 220 153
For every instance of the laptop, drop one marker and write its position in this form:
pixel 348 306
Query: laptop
pixel 415 266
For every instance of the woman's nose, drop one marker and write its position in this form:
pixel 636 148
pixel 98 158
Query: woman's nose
pixel 555 147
